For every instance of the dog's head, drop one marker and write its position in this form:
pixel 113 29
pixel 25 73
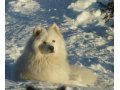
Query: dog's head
pixel 48 42
pixel 54 42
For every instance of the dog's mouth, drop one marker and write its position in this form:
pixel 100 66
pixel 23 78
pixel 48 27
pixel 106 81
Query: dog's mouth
pixel 46 49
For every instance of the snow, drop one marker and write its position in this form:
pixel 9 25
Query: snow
pixel 85 17
pixel 81 4
pixel 89 40
pixel 24 6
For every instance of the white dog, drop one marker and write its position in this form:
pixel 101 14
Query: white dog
pixel 45 59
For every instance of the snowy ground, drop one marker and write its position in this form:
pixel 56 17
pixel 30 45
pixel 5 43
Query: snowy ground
pixel 89 41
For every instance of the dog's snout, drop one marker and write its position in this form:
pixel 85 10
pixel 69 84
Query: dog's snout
pixel 51 48
pixel 46 47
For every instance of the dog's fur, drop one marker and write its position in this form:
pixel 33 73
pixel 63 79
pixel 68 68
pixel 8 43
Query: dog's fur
pixel 45 59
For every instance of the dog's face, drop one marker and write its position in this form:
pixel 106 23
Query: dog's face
pixel 53 43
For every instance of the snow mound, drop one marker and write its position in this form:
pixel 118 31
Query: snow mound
pixel 88 13
pixel 81 4
pixel 24 6
pixel 84 18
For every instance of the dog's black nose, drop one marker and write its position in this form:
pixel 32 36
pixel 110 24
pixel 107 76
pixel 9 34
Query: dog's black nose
pixel 51 48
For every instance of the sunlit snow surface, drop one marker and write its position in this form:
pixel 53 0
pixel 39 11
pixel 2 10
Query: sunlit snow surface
pixel 89 41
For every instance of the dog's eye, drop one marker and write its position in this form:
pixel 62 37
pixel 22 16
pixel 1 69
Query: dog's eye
pixel 53 41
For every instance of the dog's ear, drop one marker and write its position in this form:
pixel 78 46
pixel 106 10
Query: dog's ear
pixel 56 29
pixel 37 30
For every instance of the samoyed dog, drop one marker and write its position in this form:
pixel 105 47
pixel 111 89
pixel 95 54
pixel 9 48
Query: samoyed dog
pixel 45 59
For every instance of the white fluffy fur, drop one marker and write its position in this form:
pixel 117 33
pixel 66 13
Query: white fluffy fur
pixel 49 67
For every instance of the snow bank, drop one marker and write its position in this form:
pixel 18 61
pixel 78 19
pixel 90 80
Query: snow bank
pixel 24 6
pixel 81 4
pixel 84 18
pixel 88 14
